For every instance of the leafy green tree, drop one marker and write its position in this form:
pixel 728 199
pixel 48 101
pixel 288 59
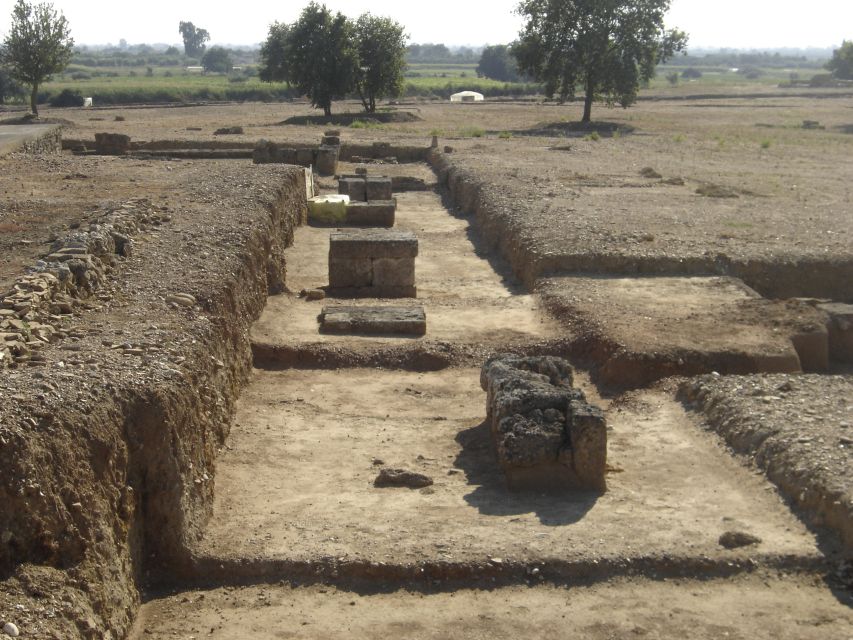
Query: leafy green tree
pixel 382 59
pixel 9 87
pixel 317 54
pixel 194 38
pixel 38 45
pixel 217 60
pixel 841 63
pixel 498 63
pixel 606 47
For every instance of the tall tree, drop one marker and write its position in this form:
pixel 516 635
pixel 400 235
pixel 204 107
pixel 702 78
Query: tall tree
pixel 38 45
pixel 498 63
pixel 217 60
pixel 607 47
pixel 317 54
pixel 382 59
pixel 194 38
pixel 841 63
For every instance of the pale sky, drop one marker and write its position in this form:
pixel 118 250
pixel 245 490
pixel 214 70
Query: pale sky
pixel 710 23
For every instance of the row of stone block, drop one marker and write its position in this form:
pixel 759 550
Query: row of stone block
pixel 363 188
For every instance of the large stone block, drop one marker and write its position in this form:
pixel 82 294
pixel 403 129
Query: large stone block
pixel 373 243
pixel 371 214
pixel 347 273
pixel 379 188
pixel 393 272
pixel 373 320
pixel 548 438
pixel 354 187
pixel 326 162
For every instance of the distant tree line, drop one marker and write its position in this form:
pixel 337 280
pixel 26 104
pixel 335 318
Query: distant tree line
pixel 439 53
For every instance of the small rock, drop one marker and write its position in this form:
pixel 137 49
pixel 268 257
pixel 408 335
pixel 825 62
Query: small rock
pixel 736 539
pixel 401 478
pixel 11 630
pixel 454 472
pixel 181 299
pixel 315 294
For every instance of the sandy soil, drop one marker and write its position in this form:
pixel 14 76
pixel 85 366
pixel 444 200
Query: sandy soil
pixel 757 607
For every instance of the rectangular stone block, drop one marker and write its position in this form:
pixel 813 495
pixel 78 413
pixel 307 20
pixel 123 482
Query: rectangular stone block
pixel 349 273
pixel 371 214
pixel 393 272
pixel 332 141
pixel 379 188
pixel 355 188
pixel 373 243
pixel 373 320
pixel 326 162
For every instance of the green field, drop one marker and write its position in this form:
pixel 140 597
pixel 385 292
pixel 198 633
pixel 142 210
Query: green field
pixel 125 85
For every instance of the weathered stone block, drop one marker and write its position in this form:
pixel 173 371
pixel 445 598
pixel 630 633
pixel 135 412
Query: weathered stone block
pixel 332 141
pixel 373 320
pixel 371 214
pixel 379 188
pixel 548 438
pixel 326 162
pixel 355 188
pixel 373 243
pixel 346 273
pixel 393 272
pixel 112 144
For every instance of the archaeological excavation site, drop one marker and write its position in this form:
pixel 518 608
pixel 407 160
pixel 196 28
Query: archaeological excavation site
pixel 271 380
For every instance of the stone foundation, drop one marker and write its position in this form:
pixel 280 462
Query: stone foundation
pixel 373 263
pixel 548 438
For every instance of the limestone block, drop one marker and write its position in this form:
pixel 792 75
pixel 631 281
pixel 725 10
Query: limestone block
pixel 372 214
pixel 390 320
pixel 379 188
pixel 373 243
pixel 347 273
pixel 393 272
pixel 355 188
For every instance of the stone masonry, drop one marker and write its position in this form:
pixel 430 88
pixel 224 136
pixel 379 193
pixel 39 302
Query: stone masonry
pixel 373 263
pixel 548 438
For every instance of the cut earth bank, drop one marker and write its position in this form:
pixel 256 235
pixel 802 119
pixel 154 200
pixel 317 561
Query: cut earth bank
pixel 346 551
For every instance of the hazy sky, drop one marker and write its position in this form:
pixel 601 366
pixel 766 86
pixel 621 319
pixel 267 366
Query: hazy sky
pixel 710 23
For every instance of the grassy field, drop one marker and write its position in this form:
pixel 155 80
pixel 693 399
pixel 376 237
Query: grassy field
pixel 126 85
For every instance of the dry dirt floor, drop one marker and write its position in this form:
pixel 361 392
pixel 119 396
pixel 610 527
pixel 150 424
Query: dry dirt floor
pixel 294 501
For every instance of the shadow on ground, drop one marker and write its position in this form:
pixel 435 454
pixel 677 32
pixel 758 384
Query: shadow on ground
pixel 578 129
pixel 490 495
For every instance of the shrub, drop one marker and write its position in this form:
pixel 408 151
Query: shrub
pixel 67 98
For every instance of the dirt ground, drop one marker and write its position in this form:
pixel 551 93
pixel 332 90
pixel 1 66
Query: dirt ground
pixel 757 607
pixel 290 489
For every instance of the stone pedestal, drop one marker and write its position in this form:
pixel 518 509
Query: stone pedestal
pixel 327 160
pixel 373 263
pixel 548 438
pixel 408 321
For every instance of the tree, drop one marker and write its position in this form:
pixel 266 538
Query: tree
pixel 498 63
pixel 194 38
pixel 217 60
pixel 607 47
pixel 38 45
pixel 317 54
pixel 841 63
pixel 9 87
pixel 382 59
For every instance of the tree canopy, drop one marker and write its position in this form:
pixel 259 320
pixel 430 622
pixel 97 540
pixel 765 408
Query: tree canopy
pixel 382 59
pixel 606 47
pixel 326 56
pixel 217 60
pixel 194 38
pixel 498 63
pixel 841 63
pixel 38 45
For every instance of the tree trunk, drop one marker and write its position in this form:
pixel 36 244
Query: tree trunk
pixel 587 103
pixel 327 110
pixel 34 100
